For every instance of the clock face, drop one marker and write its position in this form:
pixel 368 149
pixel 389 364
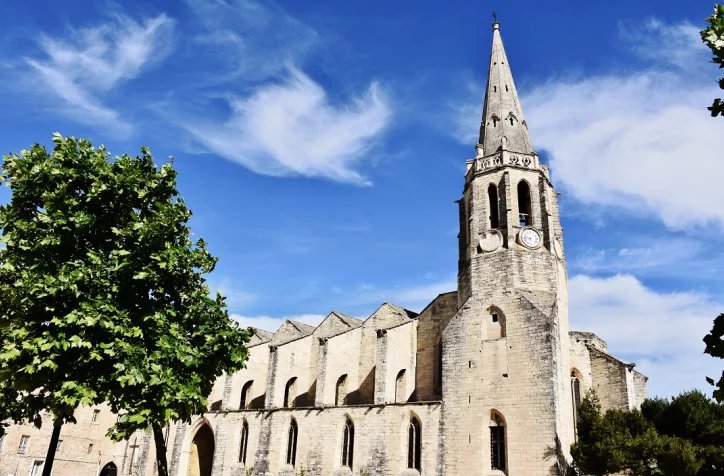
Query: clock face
pixel 530 238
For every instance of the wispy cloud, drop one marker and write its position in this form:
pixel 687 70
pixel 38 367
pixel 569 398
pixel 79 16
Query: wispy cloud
pixel 661 331
pixel 638 139
pixel 250 39
pixel 292 129
pixel 275 119
pixel 89 62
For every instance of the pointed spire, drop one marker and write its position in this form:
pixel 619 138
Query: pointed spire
pixel 502 125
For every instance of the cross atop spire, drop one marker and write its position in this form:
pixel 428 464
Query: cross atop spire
pixel 502 125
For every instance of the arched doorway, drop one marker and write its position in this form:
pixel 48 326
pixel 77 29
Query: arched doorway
pixel 109 469
pixel 202 452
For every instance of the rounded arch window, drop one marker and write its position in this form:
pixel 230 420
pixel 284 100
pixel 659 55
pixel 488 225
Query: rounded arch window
pixel 400 387
pixel 495 325
pixel 245 401
pixel 340 392
pixel 290 392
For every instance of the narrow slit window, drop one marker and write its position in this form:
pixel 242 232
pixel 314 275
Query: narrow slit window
pixel 244 442
pixel 292 443
pixel 348 444
pixel 576 400
pixel 495 89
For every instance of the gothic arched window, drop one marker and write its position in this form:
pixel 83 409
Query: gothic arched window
pixel 414 443
pixel 575 398
pixel 348 444
pixel 245 401
pixel 244 442
pixel 290 392
pixel 497 441
pixel 493 206
pixel 524 203
pixel 292 442
pixel 341 390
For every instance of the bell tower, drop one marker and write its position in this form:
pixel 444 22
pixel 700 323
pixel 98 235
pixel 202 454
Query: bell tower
pixel 505 353
pixel 508 202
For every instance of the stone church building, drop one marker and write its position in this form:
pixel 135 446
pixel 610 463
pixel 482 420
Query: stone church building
pixel 485 380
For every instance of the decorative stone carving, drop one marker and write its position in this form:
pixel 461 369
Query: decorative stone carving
pixel 490 241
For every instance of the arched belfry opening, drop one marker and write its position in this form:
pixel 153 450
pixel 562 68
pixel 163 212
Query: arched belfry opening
pixel 493 206
pixel 110 469
pixel 524 204
pixel 201 457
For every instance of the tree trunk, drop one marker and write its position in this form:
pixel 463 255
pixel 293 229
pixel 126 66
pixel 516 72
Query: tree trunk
pixel 50 456
pixel 160 441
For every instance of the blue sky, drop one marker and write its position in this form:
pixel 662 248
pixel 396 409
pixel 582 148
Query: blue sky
pixel 321 145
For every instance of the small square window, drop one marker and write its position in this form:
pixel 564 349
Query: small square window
pixel 495 317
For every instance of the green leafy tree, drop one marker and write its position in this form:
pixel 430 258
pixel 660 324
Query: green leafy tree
pixel 102 295
pixel 713 37
pixel 681 437
pixel 714 341
pixel 695 418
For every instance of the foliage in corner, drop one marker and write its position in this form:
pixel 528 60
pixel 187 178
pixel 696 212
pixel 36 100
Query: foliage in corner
pixel 714 341
pixel 713 37
pixel 102 294
pixel 665 438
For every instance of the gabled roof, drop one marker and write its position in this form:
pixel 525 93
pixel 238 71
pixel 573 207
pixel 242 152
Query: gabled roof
pixel 291 330
pixel 336 323
pixel 260 336
pixel 389 315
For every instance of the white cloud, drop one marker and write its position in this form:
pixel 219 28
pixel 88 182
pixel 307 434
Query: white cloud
pixel 292 129
pixel 640 139
pixel 92 61
pixel 661 331
pixel 271 324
